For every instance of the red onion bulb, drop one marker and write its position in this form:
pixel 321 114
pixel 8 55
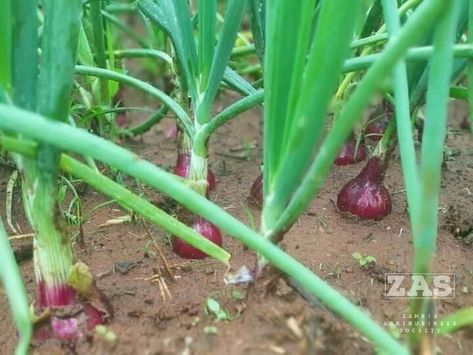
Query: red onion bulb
pixel 207 230
pixel 66 328
pixel 350 153
pixel 365 195
pixel 256 191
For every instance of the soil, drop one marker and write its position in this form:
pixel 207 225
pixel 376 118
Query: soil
pixel 261 319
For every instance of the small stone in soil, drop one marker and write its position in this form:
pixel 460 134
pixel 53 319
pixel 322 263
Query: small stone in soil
pixel 124 266
pixel 130 291
pixel 368 238
pixel 186 267
pixel 160 324
pixel 136 313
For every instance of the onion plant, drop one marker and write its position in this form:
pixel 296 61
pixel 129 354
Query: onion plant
pixel 299 149
pixel 53 256
pixel 56 274
pixel 201 64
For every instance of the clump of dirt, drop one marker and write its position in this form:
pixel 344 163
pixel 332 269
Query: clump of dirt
pixel 459 222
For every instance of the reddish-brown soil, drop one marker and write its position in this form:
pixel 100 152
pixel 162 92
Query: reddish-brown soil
pixel 148 321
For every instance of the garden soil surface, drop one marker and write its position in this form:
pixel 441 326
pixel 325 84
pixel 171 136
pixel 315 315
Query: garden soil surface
pixel 269 317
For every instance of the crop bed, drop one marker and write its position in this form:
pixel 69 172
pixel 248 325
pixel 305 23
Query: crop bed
pixel 269 317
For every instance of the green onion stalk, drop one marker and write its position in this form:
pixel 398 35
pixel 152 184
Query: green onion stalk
pixel 423 182
pixel 96 49
pixel 61 286
pixel 12 282
pixel 469 123
pixel 431 157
